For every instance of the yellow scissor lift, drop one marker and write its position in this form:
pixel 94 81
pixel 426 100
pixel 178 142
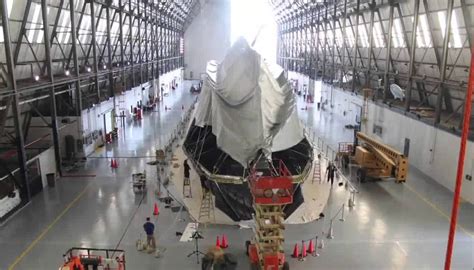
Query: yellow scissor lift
pixel 270 195
pixel 375 159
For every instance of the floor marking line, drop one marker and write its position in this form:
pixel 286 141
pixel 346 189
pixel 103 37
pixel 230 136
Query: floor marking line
pixel 46 230
pixel 437 209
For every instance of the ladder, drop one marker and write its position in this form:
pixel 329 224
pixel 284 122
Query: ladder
pixel 187 193
pixel 207 208
pixel 316 171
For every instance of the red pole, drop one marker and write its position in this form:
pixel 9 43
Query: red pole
pixel 459 175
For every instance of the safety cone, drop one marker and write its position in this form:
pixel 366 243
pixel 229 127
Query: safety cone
pixel 311 247
pixel 218 242
pixel 295 252
pixel 303 251
pixel 224 243
pixel 156 211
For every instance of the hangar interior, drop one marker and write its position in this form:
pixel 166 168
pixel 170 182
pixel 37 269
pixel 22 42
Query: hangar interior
pixel 99 105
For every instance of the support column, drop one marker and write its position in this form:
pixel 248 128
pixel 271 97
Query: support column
pixel 371 44
pixel 444 64
pixel 95 67
pixel 356 47
pixel 343 47
pixel 49 70
pixel 77 83
pixel 411 67
pixel 109 51
pixel 11 79
pixel 388 55
pixel 460 169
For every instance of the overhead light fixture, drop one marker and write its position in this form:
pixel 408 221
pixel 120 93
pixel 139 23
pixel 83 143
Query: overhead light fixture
pixel 88 69
pixel 105 66
pixel 66 72
pixel 37 77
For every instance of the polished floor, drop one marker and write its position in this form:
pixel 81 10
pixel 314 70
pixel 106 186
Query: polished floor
pixel 392 226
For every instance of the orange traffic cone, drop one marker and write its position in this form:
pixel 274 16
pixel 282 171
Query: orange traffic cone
pixel 218 242
pixel 224 243
pixel 311 248
pixel 156 211
pixel 303 251
pixel 295 252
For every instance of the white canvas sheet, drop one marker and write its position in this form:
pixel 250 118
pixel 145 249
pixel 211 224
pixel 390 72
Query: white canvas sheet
pixel 246 106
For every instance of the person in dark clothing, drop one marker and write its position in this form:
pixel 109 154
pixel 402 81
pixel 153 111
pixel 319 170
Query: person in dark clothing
pixel 331 171
pixel 150 233
pixel 186 181
pixel 204 186
pixel 186 169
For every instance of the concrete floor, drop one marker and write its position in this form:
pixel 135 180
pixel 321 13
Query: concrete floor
pixel 393 226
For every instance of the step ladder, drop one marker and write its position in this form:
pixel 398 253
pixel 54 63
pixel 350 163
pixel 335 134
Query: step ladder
pixel 187 193
pixel 206 212
pixel 316 171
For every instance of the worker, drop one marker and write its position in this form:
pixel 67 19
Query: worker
pixel 150 233
pixel 186 171
pixel 330 171
pixel 205 188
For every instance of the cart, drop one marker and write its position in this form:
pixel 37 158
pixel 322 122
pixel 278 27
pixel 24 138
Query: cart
pixel 93 258
pixel 139 182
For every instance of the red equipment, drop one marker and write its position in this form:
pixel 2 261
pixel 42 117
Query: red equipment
pixel 272 189
pixel 83 258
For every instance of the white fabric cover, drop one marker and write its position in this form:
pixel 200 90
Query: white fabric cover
pixel 247 107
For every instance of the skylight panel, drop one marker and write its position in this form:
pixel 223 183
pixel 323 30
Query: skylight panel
pixel 330 38
pixel 350 36
pixel 363 36
pixel 455 31
pixel 423 24
pixel 397 37
pixel 455 36
pixel 378 37
pixel 63 36
pixel 34 21
pixel 339 37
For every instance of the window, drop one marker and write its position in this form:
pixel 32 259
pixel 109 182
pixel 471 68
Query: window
pixel 397 34
pixel 350 37
pixel 378 35
pixel 455 38
pixel 423 38
pixel 338 38
pixel 364 39
pixel 330 38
